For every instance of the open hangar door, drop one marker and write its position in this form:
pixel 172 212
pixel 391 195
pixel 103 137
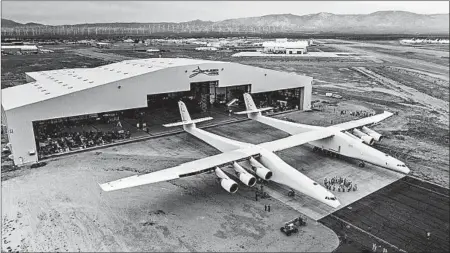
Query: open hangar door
pixel 281 100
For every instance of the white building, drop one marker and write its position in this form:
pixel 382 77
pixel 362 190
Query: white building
pixel 20 48
pixel 103 44
pixel 126 85
pixel 206 48
pixel 285 47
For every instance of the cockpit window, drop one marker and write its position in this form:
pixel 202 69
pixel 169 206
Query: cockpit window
pixel 314 183
pixel 401 165
pixel 330 198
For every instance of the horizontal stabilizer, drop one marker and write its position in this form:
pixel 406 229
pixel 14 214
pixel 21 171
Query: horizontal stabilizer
pixel 188 122
pixel 255 111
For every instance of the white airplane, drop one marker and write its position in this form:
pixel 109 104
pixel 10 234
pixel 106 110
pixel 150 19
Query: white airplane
pixel 340 141
pixel 258 160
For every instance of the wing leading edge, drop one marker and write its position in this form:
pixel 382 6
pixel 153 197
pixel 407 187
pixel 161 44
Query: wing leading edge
pixel 362 122
pixel 183 170
pixel 296 140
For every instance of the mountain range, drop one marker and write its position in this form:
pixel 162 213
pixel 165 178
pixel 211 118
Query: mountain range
pixel 388 22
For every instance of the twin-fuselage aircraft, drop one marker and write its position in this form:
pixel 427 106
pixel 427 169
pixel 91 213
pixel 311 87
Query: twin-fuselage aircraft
pixel 250 161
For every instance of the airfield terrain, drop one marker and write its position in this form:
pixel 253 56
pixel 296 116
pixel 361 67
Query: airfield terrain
pixel 60 206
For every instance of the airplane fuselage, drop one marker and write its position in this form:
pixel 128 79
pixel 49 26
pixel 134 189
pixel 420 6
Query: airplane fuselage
pixel 285 174
pixel 340 143
pixel 282 172
pixel 345 145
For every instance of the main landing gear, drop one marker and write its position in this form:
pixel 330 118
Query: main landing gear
pixel 291 193
pixel 361 164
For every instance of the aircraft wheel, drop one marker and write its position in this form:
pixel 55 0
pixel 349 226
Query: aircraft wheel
pixel 361 164
pixel 291 193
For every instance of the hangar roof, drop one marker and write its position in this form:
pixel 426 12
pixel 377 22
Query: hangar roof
pixel 54 83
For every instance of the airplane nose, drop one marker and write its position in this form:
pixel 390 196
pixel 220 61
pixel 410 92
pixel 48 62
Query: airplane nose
pixel 406 170
pixel 333 203
pixel 337 204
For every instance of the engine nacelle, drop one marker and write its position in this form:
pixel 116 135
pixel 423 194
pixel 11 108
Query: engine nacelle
pixel 229 185
pixel 226 183
pixel 260 170
pixel 245 177
pixel 366 138
pixel 372 133
pixel 354 137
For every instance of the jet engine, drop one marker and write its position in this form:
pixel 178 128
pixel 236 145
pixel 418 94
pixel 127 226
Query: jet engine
pixel 366 138
pixel 226 183
pixel 372 133
pixel 260 170
pixel 351 135
pixel 245 177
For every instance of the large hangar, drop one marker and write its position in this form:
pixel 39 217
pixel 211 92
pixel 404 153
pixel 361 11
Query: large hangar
pixel 64 93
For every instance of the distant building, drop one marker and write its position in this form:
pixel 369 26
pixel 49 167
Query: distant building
pixel 282 46
pixel 45 51
pixel 103 45
pixel 204 43
pixel 206 48
pixel 20 49
pixel 152 50
pixel 84 42
pixel 129 41
pixel 424 41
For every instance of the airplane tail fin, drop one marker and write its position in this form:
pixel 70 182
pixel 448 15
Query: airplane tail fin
pixel 251 109
pixel 249 103
pixel 186 120
pixel 184 111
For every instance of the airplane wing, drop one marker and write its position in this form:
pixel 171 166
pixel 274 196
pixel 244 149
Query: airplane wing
pixel 362 122
pixel 183 170
pixel 296 140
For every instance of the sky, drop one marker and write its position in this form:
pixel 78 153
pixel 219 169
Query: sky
pixel 76 12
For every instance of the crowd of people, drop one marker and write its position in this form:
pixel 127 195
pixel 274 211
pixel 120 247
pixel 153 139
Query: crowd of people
pixel 57 138
pixel 358 113
pixel 341 184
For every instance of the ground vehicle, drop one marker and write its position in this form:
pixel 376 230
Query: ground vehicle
pixel 288 229
pixel 37 165
pixel 292 226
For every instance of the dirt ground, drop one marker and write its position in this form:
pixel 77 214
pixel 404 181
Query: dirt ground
pixel 15 66
pixel 60 207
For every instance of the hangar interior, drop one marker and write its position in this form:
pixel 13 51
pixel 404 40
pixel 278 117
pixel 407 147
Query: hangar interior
pixel 212 95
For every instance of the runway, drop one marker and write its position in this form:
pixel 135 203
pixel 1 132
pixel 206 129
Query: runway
pixel 396 218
